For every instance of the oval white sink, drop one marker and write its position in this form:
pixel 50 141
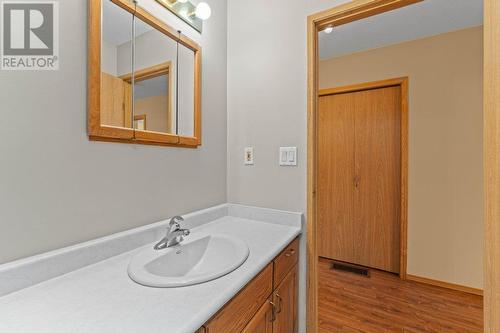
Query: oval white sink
pixel 194 261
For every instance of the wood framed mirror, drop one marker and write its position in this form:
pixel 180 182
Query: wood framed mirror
pixel 144 78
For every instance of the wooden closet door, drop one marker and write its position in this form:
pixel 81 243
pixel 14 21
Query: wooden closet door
pixel 359 176
pixel 335 195
pixel 378 176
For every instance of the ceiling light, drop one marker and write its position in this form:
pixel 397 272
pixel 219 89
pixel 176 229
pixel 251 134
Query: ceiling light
pixel 203 11
pixel 328 30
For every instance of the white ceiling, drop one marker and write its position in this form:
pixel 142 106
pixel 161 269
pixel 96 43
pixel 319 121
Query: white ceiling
pixel 117 24
pixel 427 18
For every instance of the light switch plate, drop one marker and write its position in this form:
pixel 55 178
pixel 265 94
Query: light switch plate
pixel 288 156
pixel 249 156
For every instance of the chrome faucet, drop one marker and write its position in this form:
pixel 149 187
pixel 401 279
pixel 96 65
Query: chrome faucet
pixel 175 234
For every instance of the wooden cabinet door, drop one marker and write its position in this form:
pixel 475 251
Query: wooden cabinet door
pixel 262 322
pixel 285 301
pixel 238 312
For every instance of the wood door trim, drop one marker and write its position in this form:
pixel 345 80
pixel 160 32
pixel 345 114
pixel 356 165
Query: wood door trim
pixel 403 83
pixel 363 86
pixel 492 165
pixel 444 284
pixel 149 72
pixel 357 10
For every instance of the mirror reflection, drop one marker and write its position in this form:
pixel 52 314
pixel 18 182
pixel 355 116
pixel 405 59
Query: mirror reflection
pixel 116 93
pixel 186 91
pixel 154 82
pixel 144 72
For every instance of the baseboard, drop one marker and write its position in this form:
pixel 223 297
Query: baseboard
pixel 443 284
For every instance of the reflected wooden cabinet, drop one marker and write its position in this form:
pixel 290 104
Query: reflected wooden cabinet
pixel 116 97
pixel 268 304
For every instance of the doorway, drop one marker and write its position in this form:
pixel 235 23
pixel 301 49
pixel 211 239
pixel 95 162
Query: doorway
pixel 357 10
pixel 362 173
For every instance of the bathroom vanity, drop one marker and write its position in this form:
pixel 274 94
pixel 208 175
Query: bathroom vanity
pixel 267 304
pixel 86 288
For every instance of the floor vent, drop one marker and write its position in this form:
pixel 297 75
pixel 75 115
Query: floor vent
pixel 351 269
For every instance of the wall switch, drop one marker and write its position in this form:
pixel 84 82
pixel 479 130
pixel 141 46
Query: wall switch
pixel 288 156
pixel 249 156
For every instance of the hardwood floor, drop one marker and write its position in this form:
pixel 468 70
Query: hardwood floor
pixel 349 303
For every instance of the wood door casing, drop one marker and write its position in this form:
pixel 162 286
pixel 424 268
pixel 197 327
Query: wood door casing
pixel 359 177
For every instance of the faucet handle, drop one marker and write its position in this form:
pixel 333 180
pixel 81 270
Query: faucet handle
pixel 174 221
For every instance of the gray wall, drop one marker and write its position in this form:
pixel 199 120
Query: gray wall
pixel 267 105
pixel 57 188
pixel 267 99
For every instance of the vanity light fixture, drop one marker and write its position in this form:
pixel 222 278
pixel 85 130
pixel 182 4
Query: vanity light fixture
pixel 188 12
pixel 203 11
pixel 173 2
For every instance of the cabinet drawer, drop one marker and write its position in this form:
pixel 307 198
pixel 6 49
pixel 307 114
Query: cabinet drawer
pixel 237 313
pixel 285 261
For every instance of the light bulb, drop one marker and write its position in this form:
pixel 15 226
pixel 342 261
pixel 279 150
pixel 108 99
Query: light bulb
pixel 203 11
pixel 328 30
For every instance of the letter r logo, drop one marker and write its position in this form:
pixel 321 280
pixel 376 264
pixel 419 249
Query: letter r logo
pixel 28 29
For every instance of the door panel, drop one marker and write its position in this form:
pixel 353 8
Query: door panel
pixel 359 177
pixel 335 196
pixel 378 172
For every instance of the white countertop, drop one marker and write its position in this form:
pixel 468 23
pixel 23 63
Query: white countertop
pixel 102 298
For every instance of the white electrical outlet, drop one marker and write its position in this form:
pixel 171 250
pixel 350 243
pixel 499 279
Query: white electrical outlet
pixel 288 156
pixel 249 156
